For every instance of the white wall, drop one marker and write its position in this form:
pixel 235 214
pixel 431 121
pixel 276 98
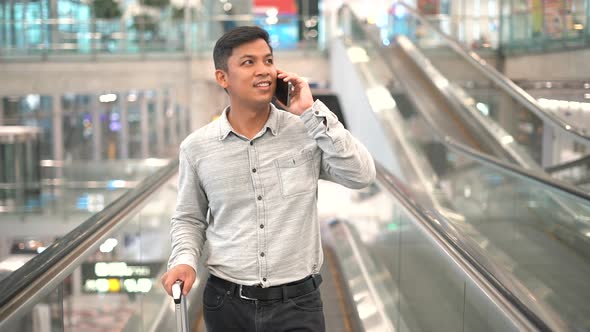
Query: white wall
pixel 572 65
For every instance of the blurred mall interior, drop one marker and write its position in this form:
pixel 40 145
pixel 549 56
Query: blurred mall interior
pixel 477 113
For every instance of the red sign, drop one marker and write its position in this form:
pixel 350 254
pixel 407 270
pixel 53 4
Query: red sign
pixel 284 7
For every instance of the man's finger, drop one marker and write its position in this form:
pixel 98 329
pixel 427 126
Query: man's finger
pixel 188 284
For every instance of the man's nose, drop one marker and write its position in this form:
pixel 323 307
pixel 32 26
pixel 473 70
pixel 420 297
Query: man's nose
pixel 263 70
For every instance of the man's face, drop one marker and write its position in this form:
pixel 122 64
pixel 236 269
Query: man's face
pixel 251 74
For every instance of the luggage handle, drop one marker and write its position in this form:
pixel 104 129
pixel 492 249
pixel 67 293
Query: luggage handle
pixel 180 306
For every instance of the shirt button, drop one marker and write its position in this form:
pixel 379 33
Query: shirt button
pixel 261 254
pixel 263 279
pixel 253 170
pixel 317 113
pixel 251 142
pixel 261 226
pixel 259 198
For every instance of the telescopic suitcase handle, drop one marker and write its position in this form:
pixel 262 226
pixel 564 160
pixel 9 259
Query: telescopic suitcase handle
pixel 180 307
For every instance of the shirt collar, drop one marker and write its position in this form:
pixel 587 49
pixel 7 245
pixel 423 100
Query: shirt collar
pixel 272 123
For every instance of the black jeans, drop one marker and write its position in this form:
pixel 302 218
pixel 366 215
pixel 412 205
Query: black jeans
pixel 227 311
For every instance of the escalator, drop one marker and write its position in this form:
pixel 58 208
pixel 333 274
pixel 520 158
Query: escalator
pixel 464 98
pixel 530 231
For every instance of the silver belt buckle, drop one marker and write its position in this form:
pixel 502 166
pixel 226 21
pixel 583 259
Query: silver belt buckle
pixel 245 297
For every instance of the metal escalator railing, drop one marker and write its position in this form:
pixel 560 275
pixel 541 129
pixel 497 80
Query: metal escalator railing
pixel 42 279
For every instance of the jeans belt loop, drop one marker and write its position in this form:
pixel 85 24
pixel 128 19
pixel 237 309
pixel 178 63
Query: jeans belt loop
pixel 285 298
pixel 232 290
pixel 315 283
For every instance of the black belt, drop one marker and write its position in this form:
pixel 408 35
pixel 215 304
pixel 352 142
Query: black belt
pixel 286 291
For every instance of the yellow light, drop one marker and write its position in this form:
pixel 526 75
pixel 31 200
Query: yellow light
pixel 578 26
pixel 114 285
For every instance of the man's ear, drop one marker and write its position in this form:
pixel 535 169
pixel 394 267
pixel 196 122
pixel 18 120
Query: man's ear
pixel 221 78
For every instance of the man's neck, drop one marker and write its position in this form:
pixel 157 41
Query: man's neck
pixel 248 121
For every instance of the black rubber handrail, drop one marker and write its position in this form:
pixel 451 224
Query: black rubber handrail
pixel 403 196
pixel 541 178
pixel 39 266
pixel 574 163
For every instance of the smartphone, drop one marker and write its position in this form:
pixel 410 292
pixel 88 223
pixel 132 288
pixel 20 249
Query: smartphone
pixel 283 92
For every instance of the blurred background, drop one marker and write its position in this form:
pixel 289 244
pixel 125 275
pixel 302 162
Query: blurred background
pixel 477 113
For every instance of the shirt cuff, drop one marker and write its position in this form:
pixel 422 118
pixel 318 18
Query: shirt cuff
pixel 315 116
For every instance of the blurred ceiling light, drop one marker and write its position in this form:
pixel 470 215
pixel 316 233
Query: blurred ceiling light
pixel 587 95
pixel 132 97
pixel 155 162
pixel 380 99
pixel 586 85
pixel 483 108
pixel 227 6
pixel 271 20
pixel 273 11
pixel 357 54
pixel 548 85
pixel 578 26
pixel 507 139
pixel 107 98
pixel 33 101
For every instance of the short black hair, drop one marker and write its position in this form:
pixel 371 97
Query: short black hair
pixel 234 38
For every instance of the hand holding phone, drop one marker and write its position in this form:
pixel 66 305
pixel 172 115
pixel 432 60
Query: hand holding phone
pixel 283 92
pixel 299 97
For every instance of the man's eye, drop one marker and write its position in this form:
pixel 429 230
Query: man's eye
pixel 247 62
pixel 270 61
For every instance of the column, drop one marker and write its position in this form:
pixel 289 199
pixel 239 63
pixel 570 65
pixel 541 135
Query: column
pixel 11 25
pixel 124 120
pixel 204 103
pixel 549 145
pixel 1 111
pixel 145 126
pixel 24 23
pixel 160 100
pixel 53 16
pixel 172 118
pixel 187 27
pixel 57 124
pixel 96 129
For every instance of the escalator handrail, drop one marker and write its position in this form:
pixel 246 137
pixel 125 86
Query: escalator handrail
pixel 56 262
pixel 504 83
pixel 404 197
pixel 539 177
pixel 585 160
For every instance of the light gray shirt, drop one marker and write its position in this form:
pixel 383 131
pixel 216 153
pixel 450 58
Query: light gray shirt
pixel 262 194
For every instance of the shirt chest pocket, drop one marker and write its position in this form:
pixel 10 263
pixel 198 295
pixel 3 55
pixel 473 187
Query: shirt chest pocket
pixel 296 174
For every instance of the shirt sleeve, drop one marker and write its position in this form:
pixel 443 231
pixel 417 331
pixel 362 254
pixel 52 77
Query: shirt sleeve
pixel 344 159
pixel 189 222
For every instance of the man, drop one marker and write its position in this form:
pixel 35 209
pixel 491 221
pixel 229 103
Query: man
pixel 248 184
